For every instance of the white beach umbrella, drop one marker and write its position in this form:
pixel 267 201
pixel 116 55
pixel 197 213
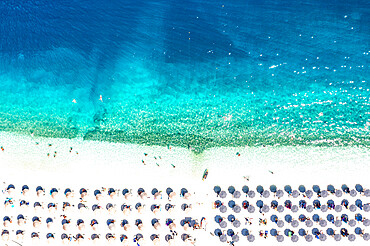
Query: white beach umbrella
pixel 308 238
pixel 295 238
pixel 337 237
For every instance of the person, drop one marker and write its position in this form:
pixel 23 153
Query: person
pixel 248 221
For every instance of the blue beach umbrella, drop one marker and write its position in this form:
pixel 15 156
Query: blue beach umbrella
pixel 330 231
pixel 316 189
pixel 245 232
pixel 302 232
pixel 273 188
pixel 217 203
pixel 330 218
pixel 302 189
pixel 316 217
pixel 331 189
pixel 260 189
pixel 345 188
pixel 274 218
pixel 315 231
pixel 330 203
pixel 245 204
pixel 359 188
pixel 358 231
pixel 217 189
pixel 231 190
pixel 231 204
pixel 302 218
pixel 274 204
pixel 358 203
pixel 302 204
pixel 231 218
pixel 245 189
pixel 230 232
pixel 288 204
pixel 316 204
pixel 286 232
pixel 288 218
pixel 358 217
pixel 288 189
pixel 218 218
pixel 344 218
pixel 259 203
pixel 273 232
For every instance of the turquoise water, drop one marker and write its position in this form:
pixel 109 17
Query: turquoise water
pixel 196 74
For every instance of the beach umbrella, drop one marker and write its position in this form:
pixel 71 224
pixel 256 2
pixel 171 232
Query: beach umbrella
pixel 288 218
pixel 288 204
pixel 330 218
pixel 273 188
pixel 274 204
pixel 331 188
pixel 352 223
pixel 358 203
pixel 274 218
pixel 345 188
pixel 302 189
pixel 358 217
pixel 316 204
pixel 322 237
pixel 309 193
pixel 223 209
pixel 352 208
pixel 302 217
pixel 251 209
pixel 237 194
pixel 273 232
pixel 251 194
pixel 302 232
pixel 295 223
pixel 358 230
pixel 279 193
pixel 260 189
pixel 309 223
pixel 231 204
pixel 366 207
pixel 250 238
pixel 236 223
pixel 245 232
pixel 280 223
pixel 286 232
pixel 266 194
pixel 337 237
pixel 316 189
pixel 223 238
pixel 223 194
pixel 245 189
pixel 316 217
pixel 231 218
pixel 353 193
pixel 218 219
pixel 366 222
pixel 237 209
pixel 217 204
pixel 309 238
pixel 235 238
pixel 245 204
pixel 280 208
pixel 330 231
pixel 223 224
pixel 315 231
pixel 231 190
pixel 295 238
pixel 259 204
pixel 366 236
pixel 322 223
pixel 288 189
pixel 302 203
pixel 338 208
pixel 218 232
pixel 338 193
pixel 344 217
pixel 309 208
pixel 280 238
pixel 367 193
pixel 359 188
pixel 324 208
pixel 217 189
pixel 265 208
pixel 294 208
pixel 230 232
pixel 344 203
pixel 338 223
pixel 351 237
pixel 324 193
pixel 295 194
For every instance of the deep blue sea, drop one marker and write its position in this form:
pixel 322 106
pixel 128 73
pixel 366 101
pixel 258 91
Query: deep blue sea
pixel 188 73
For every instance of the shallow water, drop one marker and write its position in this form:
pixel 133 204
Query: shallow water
pixel 196 74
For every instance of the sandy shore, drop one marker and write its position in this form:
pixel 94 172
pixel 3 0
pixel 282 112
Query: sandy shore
pixel 89 164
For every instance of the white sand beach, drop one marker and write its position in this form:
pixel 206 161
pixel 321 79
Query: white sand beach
pixel 92 165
